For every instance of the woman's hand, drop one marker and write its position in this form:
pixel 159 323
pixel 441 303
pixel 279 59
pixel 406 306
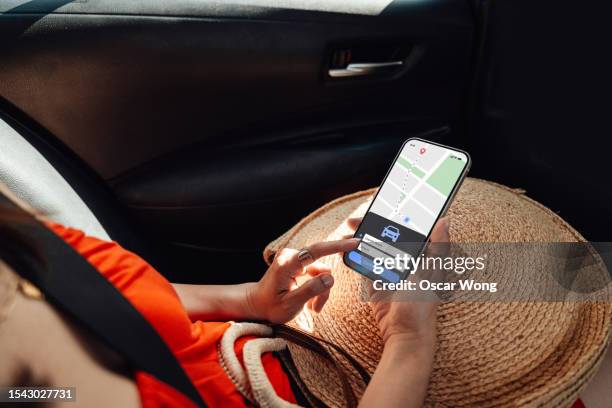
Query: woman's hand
pixel 397 313
pixel 278 297
pixel 408 329
pixel 289 284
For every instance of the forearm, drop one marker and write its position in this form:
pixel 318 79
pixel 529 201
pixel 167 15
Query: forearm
pixel 402 375
pixel 217 302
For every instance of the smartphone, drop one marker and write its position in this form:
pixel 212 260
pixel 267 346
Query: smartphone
pixel 416 192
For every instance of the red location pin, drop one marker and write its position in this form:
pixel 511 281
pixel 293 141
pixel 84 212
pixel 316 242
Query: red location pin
pixel 423 150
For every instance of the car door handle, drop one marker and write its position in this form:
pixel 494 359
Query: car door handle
pixel 363 68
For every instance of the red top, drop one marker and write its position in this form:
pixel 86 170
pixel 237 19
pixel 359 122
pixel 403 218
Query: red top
pixel 193 343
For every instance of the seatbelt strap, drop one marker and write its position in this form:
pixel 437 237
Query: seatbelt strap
pixel 75 287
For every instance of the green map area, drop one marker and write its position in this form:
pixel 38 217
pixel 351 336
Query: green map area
pixel 445 176
pixel 416 171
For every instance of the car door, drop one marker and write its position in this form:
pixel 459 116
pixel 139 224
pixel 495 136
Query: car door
pixel 216 125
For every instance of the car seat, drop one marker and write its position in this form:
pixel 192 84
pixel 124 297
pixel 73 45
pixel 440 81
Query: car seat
pixel 53 181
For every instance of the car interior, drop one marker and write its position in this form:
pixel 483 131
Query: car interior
pixel 197 131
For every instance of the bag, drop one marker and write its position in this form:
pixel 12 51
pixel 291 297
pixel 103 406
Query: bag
pixel 250 377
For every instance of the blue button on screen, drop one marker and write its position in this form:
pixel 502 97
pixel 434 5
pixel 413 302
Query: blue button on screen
pixel 368 264
pixel 390 276
pixel 355 257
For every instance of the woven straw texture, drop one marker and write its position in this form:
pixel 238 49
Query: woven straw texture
pixel 503 354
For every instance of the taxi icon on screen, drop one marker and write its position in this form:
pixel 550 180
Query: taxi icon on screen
pixel 390 232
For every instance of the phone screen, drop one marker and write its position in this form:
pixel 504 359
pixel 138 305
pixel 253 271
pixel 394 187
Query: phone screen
pixel 414 195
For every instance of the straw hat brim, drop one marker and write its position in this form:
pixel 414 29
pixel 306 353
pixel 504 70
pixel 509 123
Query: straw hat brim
pixel 502 354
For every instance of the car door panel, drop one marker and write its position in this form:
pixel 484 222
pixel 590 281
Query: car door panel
pixel 200 115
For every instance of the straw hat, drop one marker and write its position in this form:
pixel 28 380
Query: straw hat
pixel 501 354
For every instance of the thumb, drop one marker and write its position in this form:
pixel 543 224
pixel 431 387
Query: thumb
pixel 439 239
pixel 440 230
pixel 311 288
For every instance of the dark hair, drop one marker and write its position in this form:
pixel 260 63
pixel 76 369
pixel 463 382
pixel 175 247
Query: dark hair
pixel 11 219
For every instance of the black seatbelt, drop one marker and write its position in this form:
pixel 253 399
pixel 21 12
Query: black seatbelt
pixel 74 286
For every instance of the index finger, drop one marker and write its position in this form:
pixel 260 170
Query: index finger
pixel 321 249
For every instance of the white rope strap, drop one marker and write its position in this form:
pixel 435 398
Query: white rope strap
pixel 227 355
pixel 261 387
